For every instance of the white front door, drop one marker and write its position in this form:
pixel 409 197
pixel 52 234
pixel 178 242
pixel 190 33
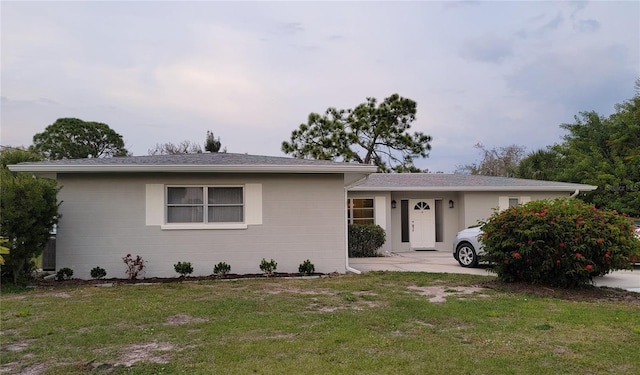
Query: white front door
pixel 422 217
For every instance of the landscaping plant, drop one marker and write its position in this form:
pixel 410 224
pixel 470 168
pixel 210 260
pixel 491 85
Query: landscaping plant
pixel 64 274
pixel 135 266
pixel 268 267
pixel 98 273
pixel 306 267
pixel 221 269
pixel 562 242
pixel 183 268
pixel 365 240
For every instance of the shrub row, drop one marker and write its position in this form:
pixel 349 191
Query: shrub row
pixel 135 267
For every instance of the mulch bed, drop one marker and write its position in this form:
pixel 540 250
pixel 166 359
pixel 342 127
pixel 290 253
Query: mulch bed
pixel 161 280
pixel 586 293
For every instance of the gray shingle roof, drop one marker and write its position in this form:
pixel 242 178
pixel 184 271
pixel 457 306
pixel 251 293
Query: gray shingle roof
pixel 460 182
pixel 205 162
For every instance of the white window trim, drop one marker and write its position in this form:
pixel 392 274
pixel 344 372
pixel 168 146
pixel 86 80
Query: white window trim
pixel 156 208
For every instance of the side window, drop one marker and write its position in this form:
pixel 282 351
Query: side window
pixel 513 202
pixel 360 211
pixel 200 204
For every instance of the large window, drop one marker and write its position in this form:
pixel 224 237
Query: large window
pixel 360 211
pixel 205 204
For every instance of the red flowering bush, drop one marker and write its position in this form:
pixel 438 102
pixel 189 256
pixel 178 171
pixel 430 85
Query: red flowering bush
pixel 562 242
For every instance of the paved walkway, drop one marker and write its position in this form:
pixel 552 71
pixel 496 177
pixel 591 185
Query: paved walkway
pixel 442 261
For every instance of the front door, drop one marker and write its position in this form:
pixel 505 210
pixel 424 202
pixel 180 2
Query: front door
pixel 422 217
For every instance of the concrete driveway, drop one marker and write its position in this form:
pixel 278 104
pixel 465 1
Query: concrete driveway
pixel 442 261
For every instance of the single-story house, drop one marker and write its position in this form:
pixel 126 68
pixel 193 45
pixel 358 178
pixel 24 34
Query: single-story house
pixel 424 211
pixel 201 208
pixel 238 209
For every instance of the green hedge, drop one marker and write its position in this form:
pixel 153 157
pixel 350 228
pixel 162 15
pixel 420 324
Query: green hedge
pixel 365 240
pixel 562 242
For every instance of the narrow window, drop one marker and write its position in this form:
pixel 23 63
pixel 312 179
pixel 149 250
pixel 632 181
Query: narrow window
pixel 439 222
pixel 404 219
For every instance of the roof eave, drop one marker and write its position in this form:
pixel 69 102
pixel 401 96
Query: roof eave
pixel 477 188
pixel 193 168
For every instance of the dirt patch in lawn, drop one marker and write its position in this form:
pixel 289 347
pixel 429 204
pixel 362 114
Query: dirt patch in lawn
pixel 586 293
pixel 181 319
pixel 439 293
pixel 151 352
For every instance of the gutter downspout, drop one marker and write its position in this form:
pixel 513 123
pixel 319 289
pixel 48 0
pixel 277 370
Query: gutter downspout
pixel 575 194
pixel 346 225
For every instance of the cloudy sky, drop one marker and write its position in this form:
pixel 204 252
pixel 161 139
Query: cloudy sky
pixel 498 73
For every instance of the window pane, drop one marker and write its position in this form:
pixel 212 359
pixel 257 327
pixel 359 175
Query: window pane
pixel 184 195
pixel 363 213
pixel 183 214
pixel 513 202
pixel 225 195
pixel 230 214
pixel 362 203
pixel 363 221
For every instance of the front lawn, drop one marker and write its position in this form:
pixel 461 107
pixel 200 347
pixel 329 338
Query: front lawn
pixel 382 322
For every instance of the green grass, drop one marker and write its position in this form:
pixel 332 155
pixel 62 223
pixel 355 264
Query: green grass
pixel 372 323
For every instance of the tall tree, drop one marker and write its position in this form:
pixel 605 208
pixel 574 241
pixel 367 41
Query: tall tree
pixel 29 211
pixel 72 138
pixel 501 161
pixel 212 144
pixel 184 147
pixel 370 133
pixel 605 151
pixel 542 164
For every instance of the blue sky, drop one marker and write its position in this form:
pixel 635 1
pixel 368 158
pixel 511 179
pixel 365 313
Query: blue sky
pixel 498 73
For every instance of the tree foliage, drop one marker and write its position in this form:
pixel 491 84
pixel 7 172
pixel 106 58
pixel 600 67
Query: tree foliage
pixel 212 144
pixel 501 161
pixel 184 147
pixel 29 211
pixel 72 138
pixel 542 164
pixel 370 133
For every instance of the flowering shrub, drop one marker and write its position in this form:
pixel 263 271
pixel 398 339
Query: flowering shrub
pixel 135 266
pixel 562 242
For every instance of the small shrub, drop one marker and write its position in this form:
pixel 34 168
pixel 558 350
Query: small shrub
pixel 365 240
pixel 64 274
pixel 135 266
pixel 563 242
pixel 98 273
pixel 221 269
pixel 183 268
pixel 306 267
pixel 268 267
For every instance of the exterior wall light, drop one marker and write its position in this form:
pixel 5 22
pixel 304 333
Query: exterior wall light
pixel 450 203
pixel 393 204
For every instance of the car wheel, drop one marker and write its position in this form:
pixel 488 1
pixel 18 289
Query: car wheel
pixel 467 255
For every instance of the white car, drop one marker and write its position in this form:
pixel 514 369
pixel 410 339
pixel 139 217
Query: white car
pixel 467 248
